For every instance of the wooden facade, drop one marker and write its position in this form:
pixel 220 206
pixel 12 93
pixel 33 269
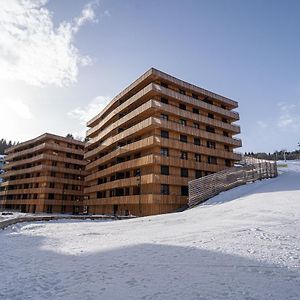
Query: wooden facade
pixel 45 174
pixel 152 139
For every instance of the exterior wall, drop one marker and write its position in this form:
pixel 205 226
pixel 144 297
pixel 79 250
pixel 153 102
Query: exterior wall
pixel 45 174
pixel 126 151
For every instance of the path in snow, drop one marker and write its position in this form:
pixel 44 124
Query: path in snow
pixel 242 244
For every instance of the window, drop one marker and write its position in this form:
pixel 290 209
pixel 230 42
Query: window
pixel 163 84
pixel 198 174
pixel 206 100
pixel 164 100
pixel 195 96
pixel 184 155
pixel 196 125
pixel 164 189
pixel 52 174
pixel 181 91
pixel 164 151
pixel 197 141
pixel 51 196
pixel 182 122
pixel 211 116
pixel 195 110
pixel 226 147
pixel 183 138
pixel 184 190
pixel 223 106
pixel 51 185
pixel 197 157
pixel 164 134
pixel 210 129
pixel 211 144
pixel 212 160
pixel 54 163
pixel 224 120
pixel 164 170
pixel 184 172
pixel 225 133
pixel 182 106
pixel 101 194
pixel 164 117
pixel 227 163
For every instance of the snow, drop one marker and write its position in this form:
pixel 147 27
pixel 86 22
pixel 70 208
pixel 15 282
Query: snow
pixel 241 244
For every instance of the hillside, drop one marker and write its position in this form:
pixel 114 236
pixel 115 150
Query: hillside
pixel 242 244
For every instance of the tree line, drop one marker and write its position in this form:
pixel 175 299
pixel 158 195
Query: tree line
pixel 4 144
pixel 276 155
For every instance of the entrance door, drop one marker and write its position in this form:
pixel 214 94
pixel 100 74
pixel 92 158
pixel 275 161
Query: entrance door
pixel 115 209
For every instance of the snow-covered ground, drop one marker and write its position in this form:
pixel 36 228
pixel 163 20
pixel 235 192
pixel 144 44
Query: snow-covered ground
pixel 242 244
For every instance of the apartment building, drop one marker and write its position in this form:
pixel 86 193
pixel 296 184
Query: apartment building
pixel 151 139
pixel 45 174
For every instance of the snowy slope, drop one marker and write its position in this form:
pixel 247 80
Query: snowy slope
pixel 242 244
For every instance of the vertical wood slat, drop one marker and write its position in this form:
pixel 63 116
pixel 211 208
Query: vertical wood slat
pixel 251 169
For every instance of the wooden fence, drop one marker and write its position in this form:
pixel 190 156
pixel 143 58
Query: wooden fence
pixel 248 170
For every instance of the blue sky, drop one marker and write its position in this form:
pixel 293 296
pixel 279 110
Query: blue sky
pixel 89 51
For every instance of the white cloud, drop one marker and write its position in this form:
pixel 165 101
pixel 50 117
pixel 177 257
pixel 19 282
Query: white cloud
pixel 289 116
pixel 84 114
pixel 19 108
pixel 33 50
pixel 90 110
pixel 262 124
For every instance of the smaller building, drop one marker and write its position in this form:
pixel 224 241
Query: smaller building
pixel 45 174
pixel 1 166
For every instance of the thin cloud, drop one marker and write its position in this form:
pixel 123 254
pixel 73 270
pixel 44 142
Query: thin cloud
pixel 262 124
pixel 33 50
pixel 84 114
pixel 17 108
pixel 289 116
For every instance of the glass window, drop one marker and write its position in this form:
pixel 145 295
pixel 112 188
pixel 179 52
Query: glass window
pixel 198 174
pixel 211 144
pixel 210 129
pixel 195 110
pixel 164 151
pixel 197 141
pixel 212 160
pixel 184 172
pixel 164 189
pixel 183 138
pixel 164 117
pixel 184 190
pixel 197 157
pixel 164 134
pixel 182 122
pixel 182 106
pixel 164 100
pixel 164 170
pixel 183 155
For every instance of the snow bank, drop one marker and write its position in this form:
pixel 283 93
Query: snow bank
pixel 242 244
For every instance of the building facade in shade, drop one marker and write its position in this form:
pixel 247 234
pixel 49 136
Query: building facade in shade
pixel 45 174
pixel 151 139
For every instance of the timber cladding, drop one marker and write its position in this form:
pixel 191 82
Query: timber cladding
pixel 45 174
pixel 151 140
